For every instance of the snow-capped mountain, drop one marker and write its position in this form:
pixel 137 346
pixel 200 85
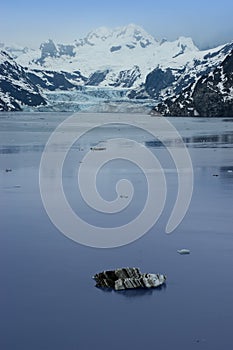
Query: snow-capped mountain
pixel 112 53
pixel 16 89
pixel 164 82
pixel 211 95
pixel 126 59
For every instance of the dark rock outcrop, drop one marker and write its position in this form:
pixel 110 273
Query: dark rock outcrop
pixel 49 49
pixel 158 80
pixel 127 78
pixel 128 278
pixel 115 48
pixel 97 77
pixel 66 50
pixel 50 80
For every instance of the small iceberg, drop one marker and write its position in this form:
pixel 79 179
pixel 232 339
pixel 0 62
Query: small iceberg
pixel 183 251
pixel 128 278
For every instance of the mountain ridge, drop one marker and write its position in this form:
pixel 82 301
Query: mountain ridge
pixel 106 48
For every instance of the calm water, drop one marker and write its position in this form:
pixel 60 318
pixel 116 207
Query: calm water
pixel 48 299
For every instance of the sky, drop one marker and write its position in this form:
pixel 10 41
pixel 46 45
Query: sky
pixel 28 23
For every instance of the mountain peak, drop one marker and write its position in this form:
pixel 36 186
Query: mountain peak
pixel 130 35
pixel 133 31
pixel 187 42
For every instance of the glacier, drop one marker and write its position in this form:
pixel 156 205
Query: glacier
pixel 93 99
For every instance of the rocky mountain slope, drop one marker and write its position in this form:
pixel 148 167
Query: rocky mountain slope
pixel 165 82
pixel 211 95
pixel 16 89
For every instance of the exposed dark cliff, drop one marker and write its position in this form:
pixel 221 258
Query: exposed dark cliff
pixel 209 96
pixel 16 88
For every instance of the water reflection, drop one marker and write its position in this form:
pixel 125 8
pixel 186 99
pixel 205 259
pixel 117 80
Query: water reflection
pixel 42 269
pixel 10 149
pixel 134 293
pixel 198 141
pixel 210 141
pixel 226 172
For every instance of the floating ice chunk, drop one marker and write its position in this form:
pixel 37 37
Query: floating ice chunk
pixel 183 251
pixel 128 278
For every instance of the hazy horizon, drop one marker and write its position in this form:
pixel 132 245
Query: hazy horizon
pixel 28 24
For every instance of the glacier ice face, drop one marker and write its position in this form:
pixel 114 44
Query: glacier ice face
pixel 94 99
